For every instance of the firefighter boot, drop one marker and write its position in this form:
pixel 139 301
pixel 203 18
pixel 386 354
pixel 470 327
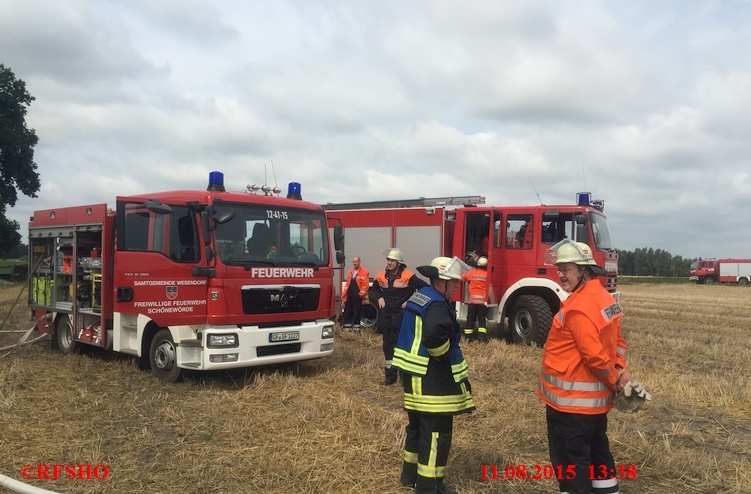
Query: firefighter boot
pixel 442 488
pixel 482 335
pixel 391 375
pixel 409 474
pixel 437 485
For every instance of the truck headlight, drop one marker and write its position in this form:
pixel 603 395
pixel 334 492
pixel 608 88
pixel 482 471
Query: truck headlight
pixel 222 341
pixel 327 332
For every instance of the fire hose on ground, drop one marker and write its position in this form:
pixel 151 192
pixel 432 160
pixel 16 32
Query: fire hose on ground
pixel 21 488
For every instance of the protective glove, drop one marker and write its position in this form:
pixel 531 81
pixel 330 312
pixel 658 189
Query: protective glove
pixel 632 397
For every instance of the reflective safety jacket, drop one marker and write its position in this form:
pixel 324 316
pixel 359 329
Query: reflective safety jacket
pixel 581 353
pixel 396 288
pixel 478 283
pixel 362 280
pixel 429 355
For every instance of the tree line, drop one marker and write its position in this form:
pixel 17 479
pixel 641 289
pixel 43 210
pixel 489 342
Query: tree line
pixel 652 262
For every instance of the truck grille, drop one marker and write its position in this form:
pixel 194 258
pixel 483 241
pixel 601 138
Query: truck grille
pixel 267 351
pixel 280 299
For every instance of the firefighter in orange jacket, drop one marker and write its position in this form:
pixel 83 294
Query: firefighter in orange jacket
pixel 354 295
pixel 583 367
pixel 477 311
pixel 392 288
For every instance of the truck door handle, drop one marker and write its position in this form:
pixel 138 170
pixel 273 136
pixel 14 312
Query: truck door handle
pixel 125 294
pixel 542 271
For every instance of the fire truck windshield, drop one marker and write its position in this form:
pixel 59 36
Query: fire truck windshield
pixel 601 232
pixel 273 235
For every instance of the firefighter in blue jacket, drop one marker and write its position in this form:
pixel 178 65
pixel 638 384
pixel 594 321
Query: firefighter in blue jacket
pixel 436 385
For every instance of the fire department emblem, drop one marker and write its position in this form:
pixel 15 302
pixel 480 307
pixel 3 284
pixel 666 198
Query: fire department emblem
pixel 171 292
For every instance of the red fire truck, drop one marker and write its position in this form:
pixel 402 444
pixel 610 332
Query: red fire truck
pixel 521 287
pixel 187 280
pixel 709 271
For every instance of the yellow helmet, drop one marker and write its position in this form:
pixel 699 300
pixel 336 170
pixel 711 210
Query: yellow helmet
pixel 578 253
pixel 394 254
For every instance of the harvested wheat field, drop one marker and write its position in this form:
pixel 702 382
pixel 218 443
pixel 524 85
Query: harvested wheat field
pixel 327 426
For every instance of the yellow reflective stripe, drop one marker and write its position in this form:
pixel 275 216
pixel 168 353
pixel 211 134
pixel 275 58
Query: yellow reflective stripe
pixel 430 472
pixel 411 357
pixel 418 337
pixel 416 386
pixel 406 365
pixel 436 398
pixel 460 371
pixel 440 350
pixel 433 455
pixel 410 456
pixel 482 330
pixel 418 405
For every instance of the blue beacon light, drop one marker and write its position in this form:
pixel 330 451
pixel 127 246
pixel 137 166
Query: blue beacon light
pixel 583 198
pixel 216 182
pixel 294 191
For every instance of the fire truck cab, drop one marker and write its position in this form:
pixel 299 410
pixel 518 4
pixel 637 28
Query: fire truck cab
pixel 521 288
pixel 187 280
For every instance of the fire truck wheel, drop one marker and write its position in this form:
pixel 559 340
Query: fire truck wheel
pixel 163 355
pixel 709 280
pixel 370 313
pixel 529 321
pixel 743 281
pixel 64 335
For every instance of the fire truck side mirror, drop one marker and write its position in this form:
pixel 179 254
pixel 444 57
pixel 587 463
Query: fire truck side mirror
pixel 339 257
pixel 338 239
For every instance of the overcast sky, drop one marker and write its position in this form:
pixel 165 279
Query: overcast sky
pixel 645 104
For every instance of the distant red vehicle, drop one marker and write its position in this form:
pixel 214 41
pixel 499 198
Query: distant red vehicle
pixel 521 287
pixel 709 271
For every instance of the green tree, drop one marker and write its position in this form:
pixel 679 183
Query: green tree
pixel 17 141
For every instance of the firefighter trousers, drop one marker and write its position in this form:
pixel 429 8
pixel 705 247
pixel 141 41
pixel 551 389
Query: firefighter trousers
pixel 426 451
pixel 352 308
pixel 582 441
pixel 390 325
pixel 476 313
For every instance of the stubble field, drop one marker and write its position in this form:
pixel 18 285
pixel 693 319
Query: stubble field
pixel 327 426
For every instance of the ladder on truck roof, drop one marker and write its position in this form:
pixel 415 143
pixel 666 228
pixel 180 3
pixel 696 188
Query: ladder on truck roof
pixel 408 203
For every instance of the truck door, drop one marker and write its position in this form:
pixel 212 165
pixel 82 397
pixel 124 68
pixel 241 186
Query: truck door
pixel 495 256
pixel 519 256
pixel 481 237
pixel 154 262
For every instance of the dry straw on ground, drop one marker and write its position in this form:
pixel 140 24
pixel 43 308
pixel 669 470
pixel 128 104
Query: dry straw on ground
pixel 327 426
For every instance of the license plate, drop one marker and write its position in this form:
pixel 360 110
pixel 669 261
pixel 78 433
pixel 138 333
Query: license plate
pixel 284 336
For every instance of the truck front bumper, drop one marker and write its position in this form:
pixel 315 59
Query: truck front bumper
pixel 232 347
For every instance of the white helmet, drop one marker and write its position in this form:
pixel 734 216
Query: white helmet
pixel 483 261
pixel 444 268
pixel 578 253
pixel 394 254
